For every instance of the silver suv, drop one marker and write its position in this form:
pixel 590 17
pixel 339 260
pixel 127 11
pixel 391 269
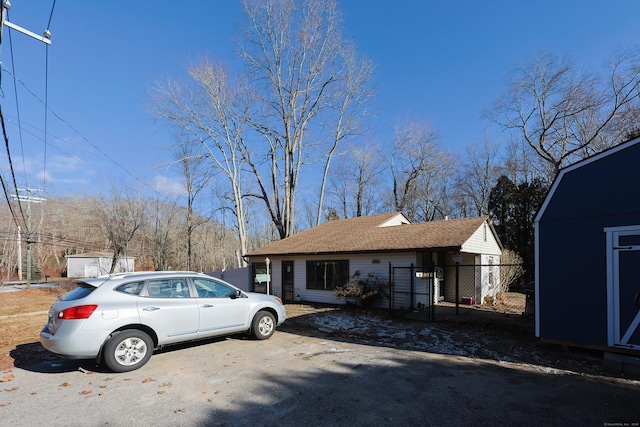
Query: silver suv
pixel 120 319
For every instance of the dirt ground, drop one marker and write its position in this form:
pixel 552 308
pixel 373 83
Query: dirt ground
pixel 23 315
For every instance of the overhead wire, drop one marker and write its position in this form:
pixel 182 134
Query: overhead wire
pixel 53 5
pixel 4 184
pixel 7 196
pixel 15 93
pixel 35 133
pixel 57 116
pixel 46 105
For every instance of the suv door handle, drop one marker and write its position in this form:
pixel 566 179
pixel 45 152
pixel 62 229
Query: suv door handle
pixel 151 308
pixel 207 305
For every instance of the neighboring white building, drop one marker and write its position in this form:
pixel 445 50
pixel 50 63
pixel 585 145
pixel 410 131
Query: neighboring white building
pixel 96 264
pixel 414 261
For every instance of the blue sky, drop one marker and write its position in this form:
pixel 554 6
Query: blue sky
pixel 440 62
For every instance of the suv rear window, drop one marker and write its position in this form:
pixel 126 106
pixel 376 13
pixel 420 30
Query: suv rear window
pixel 82 290
pixel 133 288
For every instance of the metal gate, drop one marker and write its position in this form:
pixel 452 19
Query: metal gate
pixel 411 292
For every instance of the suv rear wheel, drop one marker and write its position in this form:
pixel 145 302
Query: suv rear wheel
pixel 127 350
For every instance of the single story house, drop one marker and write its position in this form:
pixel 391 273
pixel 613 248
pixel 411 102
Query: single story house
pixel 587 232
pixel 96 264
pixel 414 261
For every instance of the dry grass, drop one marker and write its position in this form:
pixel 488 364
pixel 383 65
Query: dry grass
pixel 23 314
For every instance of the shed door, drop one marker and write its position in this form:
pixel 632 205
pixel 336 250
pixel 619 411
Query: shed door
pixel 625 290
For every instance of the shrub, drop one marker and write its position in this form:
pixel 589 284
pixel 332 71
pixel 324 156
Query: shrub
pixel 359 291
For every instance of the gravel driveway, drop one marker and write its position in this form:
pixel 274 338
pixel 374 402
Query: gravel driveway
pixel 310 375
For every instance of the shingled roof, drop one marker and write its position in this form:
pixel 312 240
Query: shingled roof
pixel 372 234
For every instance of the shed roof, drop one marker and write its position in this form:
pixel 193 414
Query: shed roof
pixel 377 233
pixel 579 165
pixel 96 255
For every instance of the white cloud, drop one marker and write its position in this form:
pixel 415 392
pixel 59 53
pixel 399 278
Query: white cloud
pixel 163 184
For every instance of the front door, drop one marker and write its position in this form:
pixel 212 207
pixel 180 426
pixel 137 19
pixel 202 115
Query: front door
pixel 287 281
pixel 624 292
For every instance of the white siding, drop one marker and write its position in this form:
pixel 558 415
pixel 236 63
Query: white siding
pixel 396 220
pixel 363 263
pixel 482 241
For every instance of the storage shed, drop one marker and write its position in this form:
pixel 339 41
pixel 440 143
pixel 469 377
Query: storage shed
pixel 587 281
pixel 96 264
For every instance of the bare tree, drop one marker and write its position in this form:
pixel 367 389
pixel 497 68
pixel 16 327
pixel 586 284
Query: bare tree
pixel 212 113
pixel 511 269
pixel 302 93
pixel 306 79
pixel 160 233
pixel 564 114
pixel 349 107
pixel 355 181
pixel 119 217
pixel 196 174
pixel 478 174
pixel 421 172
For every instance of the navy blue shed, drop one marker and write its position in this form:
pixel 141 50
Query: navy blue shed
pixel 588 253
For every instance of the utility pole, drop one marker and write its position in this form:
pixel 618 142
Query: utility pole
pixel 19 254
pixel 45 38
pixel 28 237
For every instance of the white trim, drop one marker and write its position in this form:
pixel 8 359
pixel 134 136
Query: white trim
pixel 631 330
pixel 624 229
pixel 614 331
pixel 610 292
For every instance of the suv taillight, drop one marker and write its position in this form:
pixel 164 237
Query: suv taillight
pixel 78 312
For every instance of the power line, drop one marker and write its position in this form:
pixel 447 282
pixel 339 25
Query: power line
pixel 6 140
pixel 15 93
pixel 51 15
pixel 56 115
pixel 6 196
pixel 46 94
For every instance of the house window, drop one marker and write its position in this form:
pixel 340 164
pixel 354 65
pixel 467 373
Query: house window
pixel 260 277
pixel 326 275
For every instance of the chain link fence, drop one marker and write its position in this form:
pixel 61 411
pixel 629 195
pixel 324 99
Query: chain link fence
pixel 454 292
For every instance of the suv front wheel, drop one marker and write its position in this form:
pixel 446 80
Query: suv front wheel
pixel 264 325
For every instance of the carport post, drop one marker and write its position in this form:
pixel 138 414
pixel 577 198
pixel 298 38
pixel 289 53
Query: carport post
pixel 267 261
pixel 457 258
